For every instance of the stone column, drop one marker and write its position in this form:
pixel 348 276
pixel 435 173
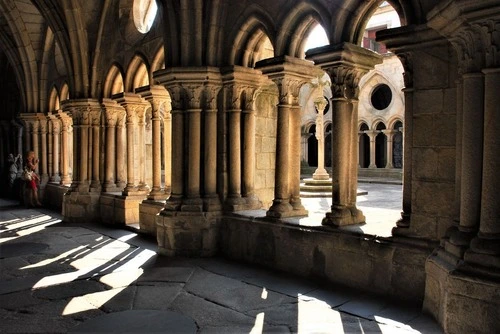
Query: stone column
pixel 95 119
pixel 50 147
pixel 485 247
pixel 135 107
pixel 141 125
pixel 345 64
pixel 167 148
pixel 56 132
pixel 210 198
pixel 234 148
pixel 83 124
pixel 472 160
pixel 240 89
pixel 373 136
pixel 121 150
pixel 194 157
pixel 320 173
pixel 289 74
pixel 389 134
pixel 294 161
pixel 35 129
pixel 66 148
pixel 111 115
pixel 44 177
pixel 130 124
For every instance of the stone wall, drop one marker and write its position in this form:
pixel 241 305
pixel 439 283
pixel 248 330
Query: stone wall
pixel 367 263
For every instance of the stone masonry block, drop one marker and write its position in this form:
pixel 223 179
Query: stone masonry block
pixel 446 164
pixel 435 198
pixel 425 163
pixel 268 144
pixel 423 130
pixel 428 101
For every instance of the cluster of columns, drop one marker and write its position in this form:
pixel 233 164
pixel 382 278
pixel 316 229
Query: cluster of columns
pixel 110 154
pixel 372 134
pixel 345 64
pixel 476 236
pixel 50 137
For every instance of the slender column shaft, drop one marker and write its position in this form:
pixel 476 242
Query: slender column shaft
pixel 210 153
pixel 156 155
pixel 130 154
pixel 65 179
pixel 472 153
pixel 167 152
pixel 44 153
pixel 281 189
pixel 294 158
pixel 95 155
pixel 389 135
pixel 194 149
pixel 50 149
pixel 249 154
pixel 110 155
pixel 490 203
pixel 340 150
pixel 84 154
pixel 142 151
pixel 234 154
pixel 121 143
pixel 458 152
pixel 34 136
pixel 177 153
pixel 55 151
pixel 407 157
pixel 373 140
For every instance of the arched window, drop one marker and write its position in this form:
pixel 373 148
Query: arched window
pixel 144 13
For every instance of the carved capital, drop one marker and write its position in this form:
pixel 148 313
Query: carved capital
pixel 289 88
pixel 111 116
pixel 345 80
pixel 233 96
pixel 95 117
pixel 56 125
pixel 176 94
pixel 211 92
pixel 406 59
pixel 193 93
pixel 43 126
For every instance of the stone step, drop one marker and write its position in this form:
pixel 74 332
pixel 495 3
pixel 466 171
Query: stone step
pixel 328 194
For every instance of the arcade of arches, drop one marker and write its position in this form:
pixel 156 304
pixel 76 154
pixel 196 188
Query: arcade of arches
pixel 181 119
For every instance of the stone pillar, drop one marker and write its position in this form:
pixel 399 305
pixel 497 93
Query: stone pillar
pixel 35 131
pixel 66 148
pixel 141 127
pixel 185 226
pixel 95 132
pixel 320 173
pixel 485 247
pixel 111 115
pixel 56 157
pixel 373 136
pixel 289 74
pixel 81 203
pixel 167 147
pixel 44 176
pixel 472 161
pixel 159 100
pixel 345 64
pixel 50 147
pixel 121 150
pixel 210 198
pixel 389 135
pixel 135 107
pixel 240 89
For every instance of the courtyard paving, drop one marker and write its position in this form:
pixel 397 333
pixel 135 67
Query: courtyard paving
pixel 58 277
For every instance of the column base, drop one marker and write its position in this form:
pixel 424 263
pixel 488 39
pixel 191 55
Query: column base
pixel 148 211
pixel 65 180
pixel 110 188
pixel 235 203
pixel 283 209
pixel 321 174
pixel 252 202
pixel 120 210
pixel 461 301
pixel 484 252
pixel 298 208
pixel 212 203
pixel 187 233
pixel 81 207
pixel 194 204
pixel 343 215
pixel 157 195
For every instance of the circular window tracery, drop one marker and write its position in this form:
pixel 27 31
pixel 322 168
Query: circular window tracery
pixel 381 97
pixel 144 13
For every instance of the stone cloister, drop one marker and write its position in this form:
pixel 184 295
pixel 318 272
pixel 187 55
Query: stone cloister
pixel 188 124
